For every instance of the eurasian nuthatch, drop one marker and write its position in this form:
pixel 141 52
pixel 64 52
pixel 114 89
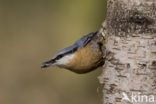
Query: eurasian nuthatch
pixel 82 57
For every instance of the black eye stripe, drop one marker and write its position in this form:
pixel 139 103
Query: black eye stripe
pixel 59 56
pixel 69 52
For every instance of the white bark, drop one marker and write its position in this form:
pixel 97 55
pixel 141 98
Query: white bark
pixel 130 66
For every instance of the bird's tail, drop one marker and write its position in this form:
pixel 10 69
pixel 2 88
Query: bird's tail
pixel 48 63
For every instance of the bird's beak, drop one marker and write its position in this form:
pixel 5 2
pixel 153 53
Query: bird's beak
pixel 48 64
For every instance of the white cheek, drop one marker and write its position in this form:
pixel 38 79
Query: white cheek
pixel 65 60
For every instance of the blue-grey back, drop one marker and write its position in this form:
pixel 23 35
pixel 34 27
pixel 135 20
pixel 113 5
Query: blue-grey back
pixel 77 45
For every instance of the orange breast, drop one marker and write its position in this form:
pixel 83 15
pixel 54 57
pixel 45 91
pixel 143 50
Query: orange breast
pixel 84 59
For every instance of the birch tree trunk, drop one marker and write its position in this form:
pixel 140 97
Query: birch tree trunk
pixel 129 73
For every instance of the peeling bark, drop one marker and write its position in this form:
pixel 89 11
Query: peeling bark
pixel 130 66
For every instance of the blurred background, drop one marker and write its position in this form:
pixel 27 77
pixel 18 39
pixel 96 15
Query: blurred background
pixel 31 32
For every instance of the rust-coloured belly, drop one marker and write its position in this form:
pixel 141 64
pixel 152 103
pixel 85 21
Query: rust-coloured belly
pixel 85 60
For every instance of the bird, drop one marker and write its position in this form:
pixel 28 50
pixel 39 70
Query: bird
pixel 84 56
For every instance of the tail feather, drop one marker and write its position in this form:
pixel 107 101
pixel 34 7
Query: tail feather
pixel 48 63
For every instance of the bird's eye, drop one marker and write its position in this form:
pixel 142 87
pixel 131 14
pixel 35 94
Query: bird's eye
pixel 59 56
